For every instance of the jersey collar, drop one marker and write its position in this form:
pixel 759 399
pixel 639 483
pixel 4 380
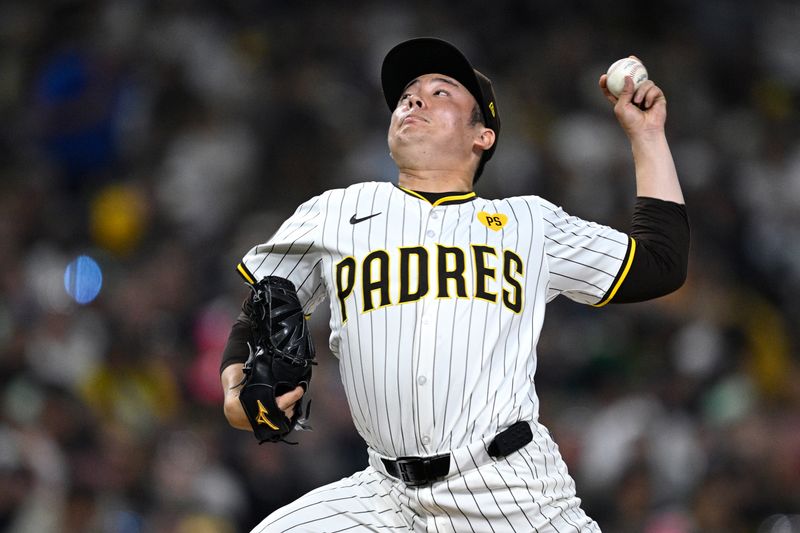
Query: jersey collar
pixel 440 198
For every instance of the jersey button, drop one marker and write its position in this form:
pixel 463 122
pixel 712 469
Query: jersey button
pixel 421 380
pixel 430 233
pixel 434 216
pixel 426 440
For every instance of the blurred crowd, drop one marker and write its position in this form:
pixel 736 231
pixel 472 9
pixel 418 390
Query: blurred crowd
pixel 165 138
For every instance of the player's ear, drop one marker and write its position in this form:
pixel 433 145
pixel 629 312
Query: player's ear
pixel 485 139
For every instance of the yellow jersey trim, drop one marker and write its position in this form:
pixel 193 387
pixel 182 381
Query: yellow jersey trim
pixel 622 277
pixel 242 270
pixel 440 201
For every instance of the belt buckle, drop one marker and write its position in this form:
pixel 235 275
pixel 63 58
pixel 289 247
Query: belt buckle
pixel 408 468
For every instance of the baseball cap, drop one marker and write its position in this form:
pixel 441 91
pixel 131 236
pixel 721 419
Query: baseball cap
pixel 426 55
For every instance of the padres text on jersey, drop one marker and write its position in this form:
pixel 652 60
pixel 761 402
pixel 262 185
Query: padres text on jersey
pixel 436 308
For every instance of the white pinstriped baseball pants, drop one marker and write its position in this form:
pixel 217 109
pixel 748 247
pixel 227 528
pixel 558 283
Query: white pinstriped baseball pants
pixel 527 491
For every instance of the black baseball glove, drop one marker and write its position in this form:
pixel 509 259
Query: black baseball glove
pixel 281 356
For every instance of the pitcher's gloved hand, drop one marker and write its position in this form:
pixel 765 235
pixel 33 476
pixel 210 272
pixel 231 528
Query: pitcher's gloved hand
pixel 281 356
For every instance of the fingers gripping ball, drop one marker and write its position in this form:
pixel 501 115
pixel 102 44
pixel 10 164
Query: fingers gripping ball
pixel 617 72
pixel 281 357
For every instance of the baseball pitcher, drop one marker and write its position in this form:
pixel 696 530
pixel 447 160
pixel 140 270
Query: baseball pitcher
pixel 437 299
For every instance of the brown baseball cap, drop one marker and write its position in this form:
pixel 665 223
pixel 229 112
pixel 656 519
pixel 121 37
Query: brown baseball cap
pixel 426 55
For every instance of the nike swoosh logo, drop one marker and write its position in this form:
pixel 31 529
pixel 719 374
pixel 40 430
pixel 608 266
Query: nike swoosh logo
pixel 354 220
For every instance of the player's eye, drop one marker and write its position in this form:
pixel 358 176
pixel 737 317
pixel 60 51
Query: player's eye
pixel 438 92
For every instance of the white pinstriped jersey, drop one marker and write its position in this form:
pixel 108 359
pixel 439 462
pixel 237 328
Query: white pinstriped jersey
pixel 436 309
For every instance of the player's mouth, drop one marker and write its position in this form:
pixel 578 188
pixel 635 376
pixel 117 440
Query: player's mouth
pixel 412 119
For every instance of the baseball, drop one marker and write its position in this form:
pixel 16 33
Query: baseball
pixel 625 67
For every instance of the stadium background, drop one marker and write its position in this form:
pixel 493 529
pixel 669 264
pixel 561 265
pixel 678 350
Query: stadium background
pixel 163 139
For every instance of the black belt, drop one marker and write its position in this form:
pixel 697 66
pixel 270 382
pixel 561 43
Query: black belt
pixel 416 471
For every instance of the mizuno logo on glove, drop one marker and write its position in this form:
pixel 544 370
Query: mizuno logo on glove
pixel 262 416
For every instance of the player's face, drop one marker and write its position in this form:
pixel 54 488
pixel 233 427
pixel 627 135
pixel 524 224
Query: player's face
pixel 432 123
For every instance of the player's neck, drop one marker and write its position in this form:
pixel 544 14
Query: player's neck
pixel 434 180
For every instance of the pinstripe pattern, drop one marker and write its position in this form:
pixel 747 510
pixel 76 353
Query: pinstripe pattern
pixel 584 257
pixel 435 374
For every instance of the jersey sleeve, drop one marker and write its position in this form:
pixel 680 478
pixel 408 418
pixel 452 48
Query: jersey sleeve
pixel 587 261
pixel 660 232
pixel 294 253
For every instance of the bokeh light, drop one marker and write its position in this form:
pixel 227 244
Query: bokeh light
pixel 83 279
pixel 117 218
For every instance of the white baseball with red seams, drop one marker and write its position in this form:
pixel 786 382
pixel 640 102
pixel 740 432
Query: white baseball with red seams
pixel 620 69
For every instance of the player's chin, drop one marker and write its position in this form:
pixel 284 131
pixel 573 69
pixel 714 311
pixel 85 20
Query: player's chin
pixel 402 138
